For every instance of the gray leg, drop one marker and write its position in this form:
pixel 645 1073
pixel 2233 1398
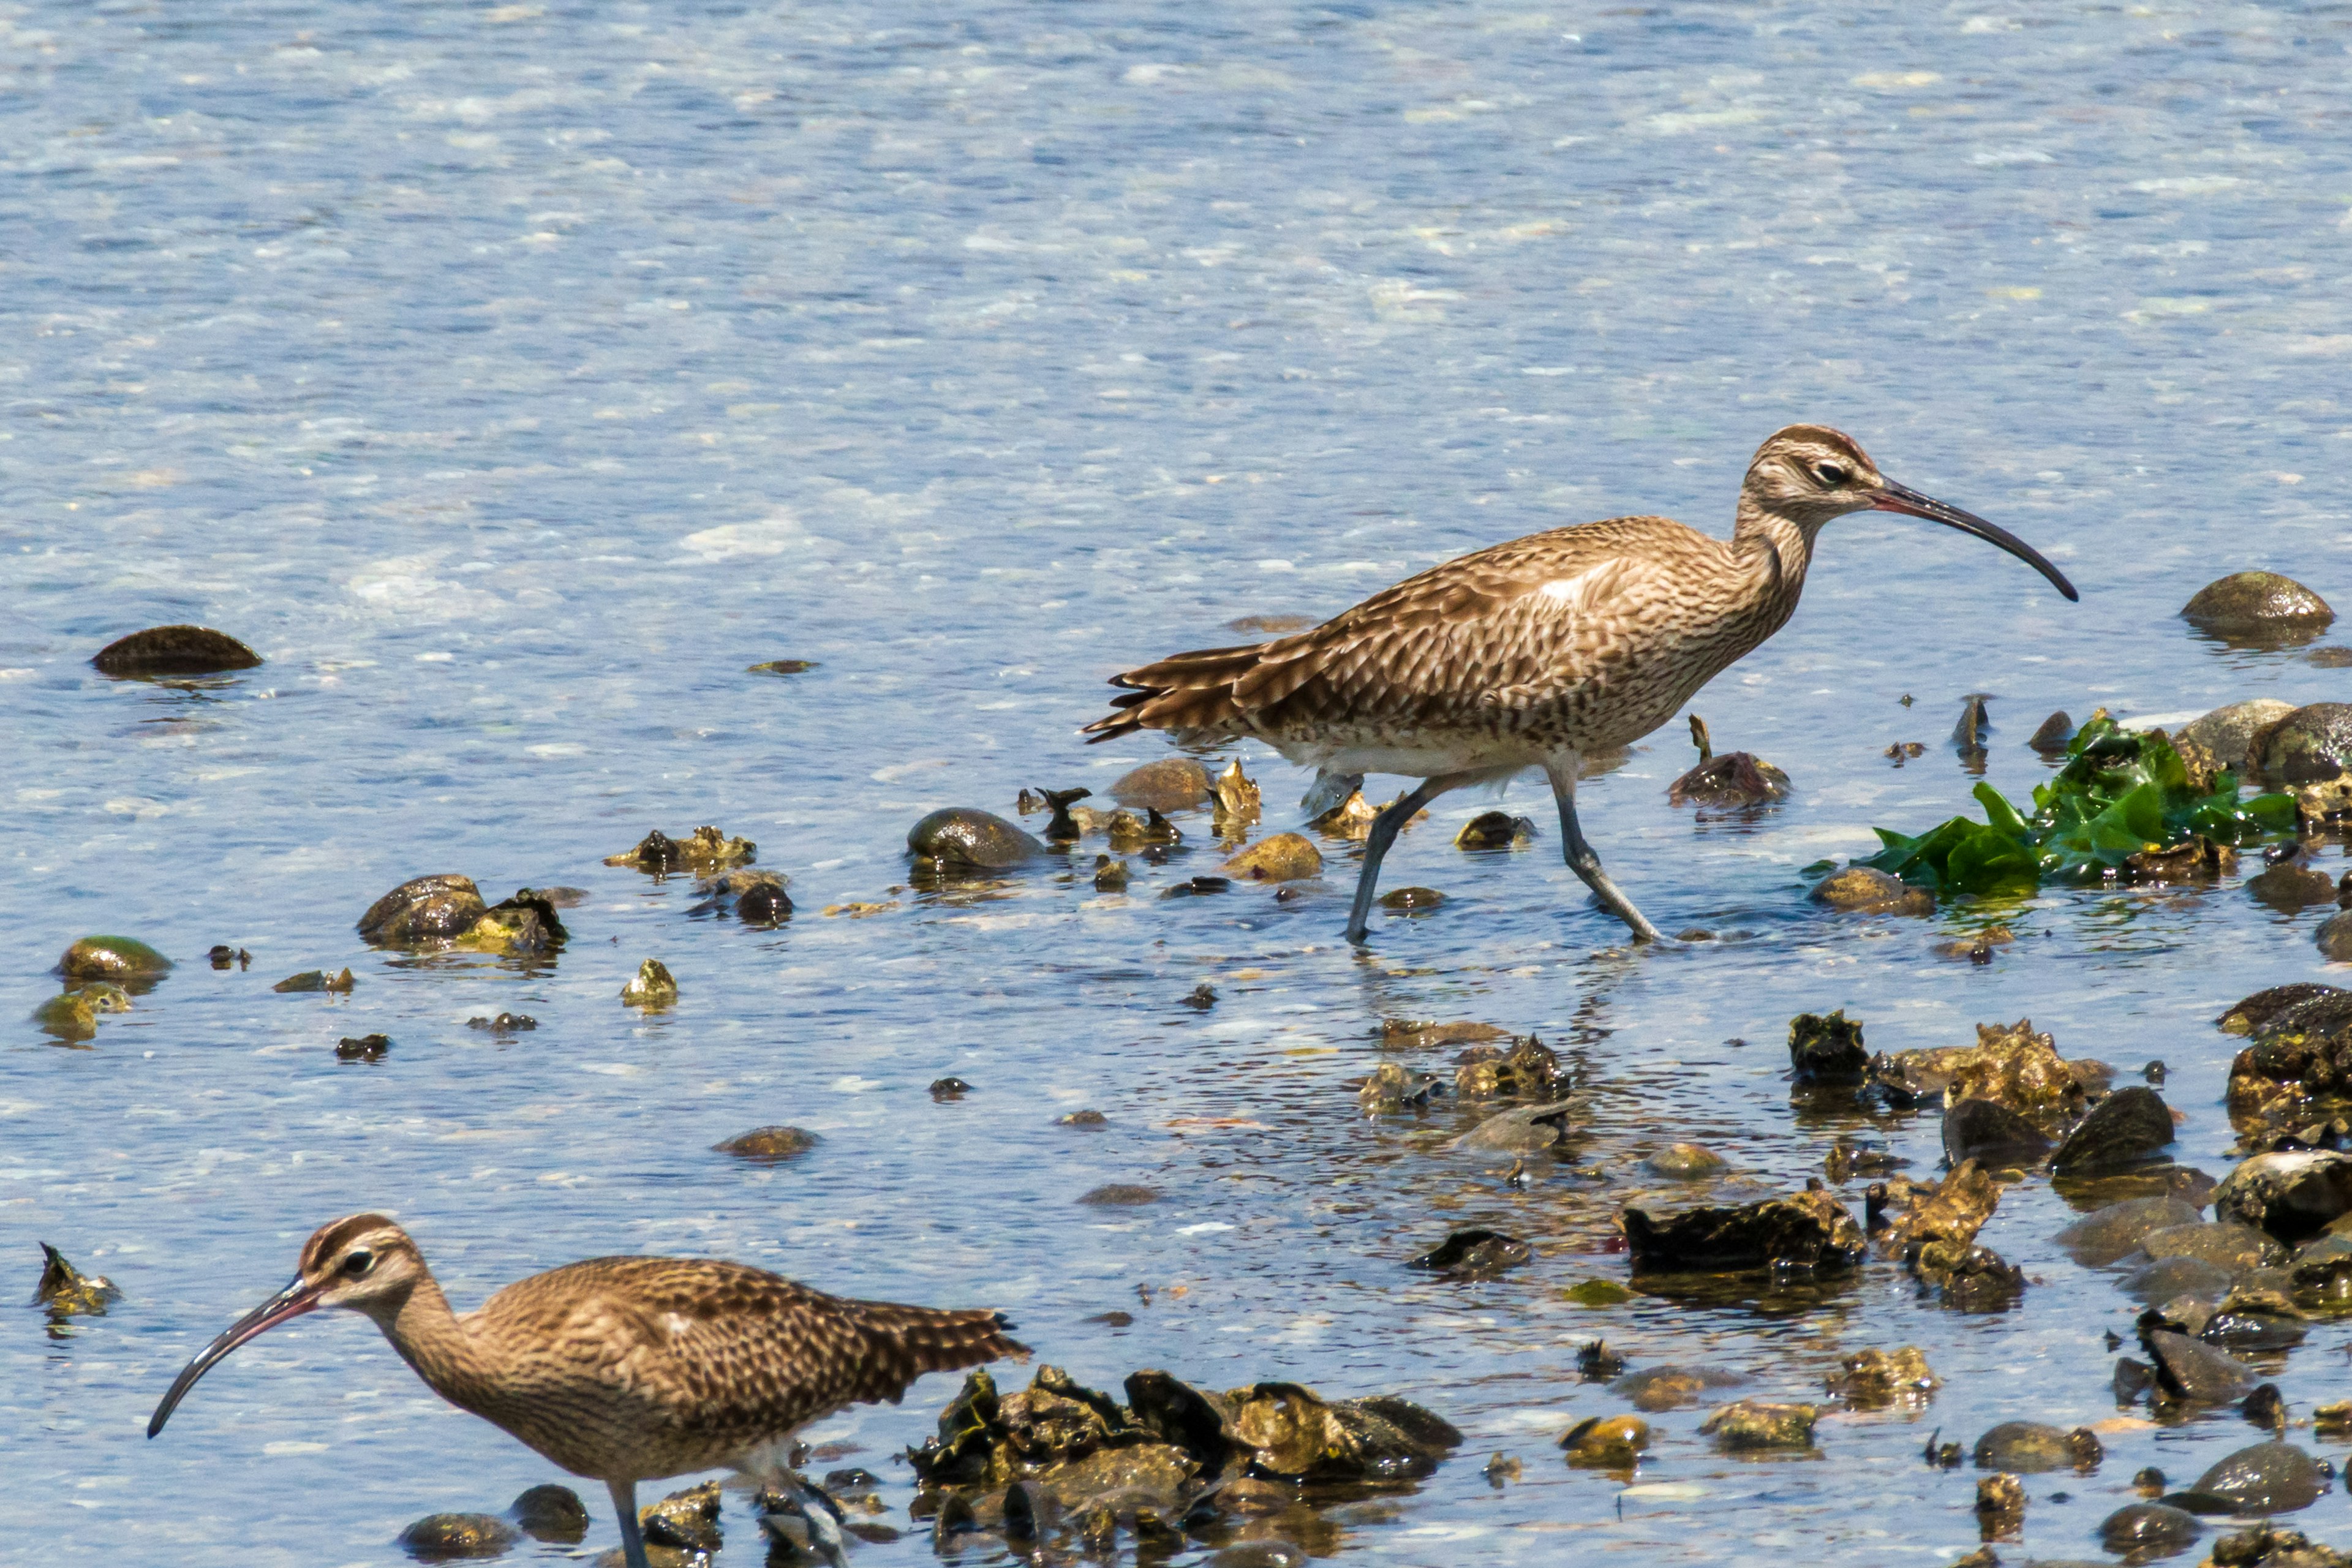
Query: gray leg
pixel 1586 864
pixel 1376 845
pixel 632 1540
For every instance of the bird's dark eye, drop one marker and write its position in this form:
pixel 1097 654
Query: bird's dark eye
pixel 359 1262
pixel 1831 474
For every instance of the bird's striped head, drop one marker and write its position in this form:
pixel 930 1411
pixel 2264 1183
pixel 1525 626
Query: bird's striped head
pixel 1807 475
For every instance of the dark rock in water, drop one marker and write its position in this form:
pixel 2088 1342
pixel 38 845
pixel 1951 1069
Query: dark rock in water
pixel 1827 1050
pixel 2197 1373
pixel 2143 1530
pixel 763 904
pixel 963 839
pixel 317 980
pixel 1606 1442
pixel 2268 1478
pixel 2133 1377
pixel 505 1023
pixel 2335 938
pixel 174 650
pixel 768 1145
pixel 1905 1215
pixel 1524 1131
pixel 1120 1194
pixel 1660 1388
pixel 2291 885
pixel 1110 876
pixel 1596 1362
pixel 1874 1379
pixel 1495 830
pixel 2308 754
pixel 1062 828
pixel 365 1048
pixel 451 1537
pixel 1530 1068
pixel 1290 1431
pixel 2169 1277
pixel 1981 1129
pixel 1751 1424
pixel 125 960
pixel 688 1519
pixel 1805 1230
pixel 1278 858
pixel 1086 1119
pixel 423 909
pixel 2265 1407
pixel 1969 1278
pixel 2258 1011
pixel 1197 886
pixel 1475 1254
pixel 1866 889
pixel 1412 898
pixel 2322 1268
pixel 2050 738
pixel 704 851
pixel 2000 1506
pixel 1172 783
pixel 2030 1448
pixel 950 1088
pixel 2233 1246
pixel 2256 602
pixel 2288 1195
pixel 1975 721
pixel 2108 1235
pixel 2127 1128
pixel 552 1513
pixel 2267 1546
pixel 2256 1318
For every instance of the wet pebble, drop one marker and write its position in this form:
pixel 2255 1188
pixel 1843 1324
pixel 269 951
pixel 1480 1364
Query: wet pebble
pixel 504 1024
pixel 2307 753
pixel 961 838
pixel 2265 1407
pixel 2031 1448
pixel 1606 1442
pixel 1751 1424
pixel 2289 1196
pixel 120 959
pixel 1087 1119
pixel 452 1537
pixel 2268 1478
pixel 2229 1245
pixel 1808 1229
pixel 1991 1132
pixel 2167 1277
pixel 1171 784
pixel 1866 889
pixel 651 988
pixel 950 1088
pixel 173 650
pixel 2051 738
pixel 1279 858
pixel 2227 731
pixel 768 1145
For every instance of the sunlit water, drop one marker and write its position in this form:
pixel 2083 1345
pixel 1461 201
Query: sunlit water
pixel 514 376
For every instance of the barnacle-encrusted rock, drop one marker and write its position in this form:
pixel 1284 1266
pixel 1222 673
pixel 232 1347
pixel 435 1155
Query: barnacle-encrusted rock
pixel 2227 731
pixel 1905 1215
pixel 1753 1423
pixel 66 1291
pixel 702 852
pixel 1827 1050
pixel 1235 804
pixel 1808 1230
pixel 1279 858
pixel 456 1537
pixel 1874 1379
pixel 1530 1068
pixel 2309 753
pixel 768 1145
pixel 1606 1442
pixel 652 987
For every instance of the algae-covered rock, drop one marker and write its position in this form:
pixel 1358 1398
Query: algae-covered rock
pixel 1606 1442
pixel 2257 602
pixel 2031 1448
pixel 704 851
pixel 1866 889
pixel 2017 1068
pixel 1827 1050
pixel 1280 857
pixel 73 1015
pixel 1685 1163
pixel 125 960
pixel 2299 1061
pixel 1660 1388
pixel 768 1145
pixel 959 838
pixel 1905 1215
pixel 1972 1278
pixel 1392 1087
pixel 318 979
pixel 1804 1230
pixel 173 650
pixel 455 1537
pixel 423 909
pixel 1531 1070
pixel 1875 1379
pixel 1495 830
pixel 1751 1424
pixel 2227 731
pixel 1172 783
pixel 652 988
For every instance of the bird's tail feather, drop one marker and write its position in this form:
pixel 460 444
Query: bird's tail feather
pixel 1187 692
pixel 902 1343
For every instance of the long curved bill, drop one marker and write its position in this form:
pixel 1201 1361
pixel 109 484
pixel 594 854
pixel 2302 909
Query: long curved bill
pixel 291 1302
pixel 1904 498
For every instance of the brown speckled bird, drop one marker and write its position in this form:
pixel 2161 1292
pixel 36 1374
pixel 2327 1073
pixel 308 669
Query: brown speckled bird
pixel 1536 653
pixel 629 1369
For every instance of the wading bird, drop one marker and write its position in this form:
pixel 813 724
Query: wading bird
pixel 629 1369
pixel 1536 653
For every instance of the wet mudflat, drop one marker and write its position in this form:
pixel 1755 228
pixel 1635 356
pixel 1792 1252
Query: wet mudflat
pixel 515 385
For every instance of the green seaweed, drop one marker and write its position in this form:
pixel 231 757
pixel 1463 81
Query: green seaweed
pixel 2118 796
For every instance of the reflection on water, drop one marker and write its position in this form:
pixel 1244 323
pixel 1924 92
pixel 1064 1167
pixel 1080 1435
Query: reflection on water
pixel 517 381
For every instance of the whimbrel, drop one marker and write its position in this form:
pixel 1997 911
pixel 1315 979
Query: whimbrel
pixel 1536 653
pixel 629 1369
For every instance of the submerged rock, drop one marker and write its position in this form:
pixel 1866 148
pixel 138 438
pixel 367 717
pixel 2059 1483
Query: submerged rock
pixel 1475 1255
pixel 1661 1388
pixel 1874 1379
pixel 2109 1234
pixel 125 960
pixel 2291 884
pixel 1392 1087
pixel 2000 1506
pixel 959 838
pixel 1866 889
pixel 2289 1196
pixel 1407 899
pixel 173 650
pixel 1280 857
pixel 704 851
pixel 1171 784
pixel 1495 830
pixel 453 1537
pixel 2268 1478
pixel 2129 1127
pixel 1986 1130
pixel 1524 1131
pixel 1827 1050
pixel 1751 1424
pixel 2221 1242
pixel 363 1048
pixel 318 979
pixel 768 1145
pixel 1806 1230
pixel 1606 1442
pixel 2030 1448
pixel 550 1513
pixel 423 909
pixel 2253 603
pixel 1530 1068
pixel 652 988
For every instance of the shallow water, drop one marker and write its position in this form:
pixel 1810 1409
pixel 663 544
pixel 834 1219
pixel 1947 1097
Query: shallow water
pixel 512 377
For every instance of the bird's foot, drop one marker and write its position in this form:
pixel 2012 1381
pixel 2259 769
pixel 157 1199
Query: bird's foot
pixel 820 1518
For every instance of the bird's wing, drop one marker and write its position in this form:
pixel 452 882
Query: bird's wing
pixel 727 1348
pixel 1504 627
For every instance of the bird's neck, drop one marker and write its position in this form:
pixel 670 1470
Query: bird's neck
pixel 434 1340
pixel 1776 551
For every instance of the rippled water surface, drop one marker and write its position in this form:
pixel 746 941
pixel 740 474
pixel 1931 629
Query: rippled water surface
pixel 513 376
